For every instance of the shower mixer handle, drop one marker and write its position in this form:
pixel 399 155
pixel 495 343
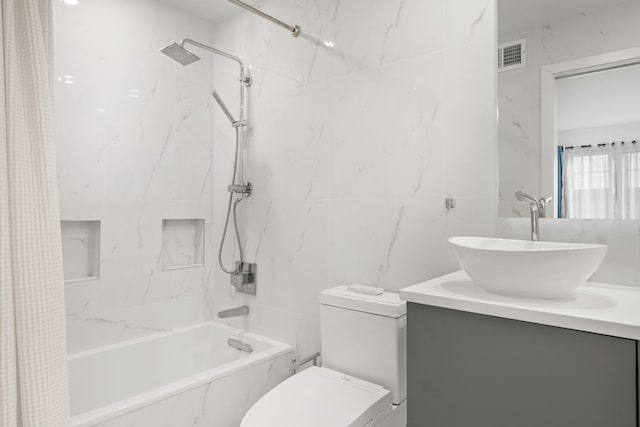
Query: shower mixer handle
pixel 245 189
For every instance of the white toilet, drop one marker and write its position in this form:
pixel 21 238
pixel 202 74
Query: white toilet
pixel 363 381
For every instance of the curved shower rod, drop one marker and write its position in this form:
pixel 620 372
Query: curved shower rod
pixel 294 30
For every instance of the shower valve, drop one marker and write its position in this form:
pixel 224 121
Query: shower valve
pixel 244 277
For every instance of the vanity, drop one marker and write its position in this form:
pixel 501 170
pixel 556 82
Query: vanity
pixel 481 359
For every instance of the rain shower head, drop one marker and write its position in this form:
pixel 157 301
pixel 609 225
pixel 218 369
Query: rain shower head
pixel 177 52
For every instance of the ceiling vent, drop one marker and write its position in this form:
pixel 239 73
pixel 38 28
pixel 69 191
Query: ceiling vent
pixel 512 55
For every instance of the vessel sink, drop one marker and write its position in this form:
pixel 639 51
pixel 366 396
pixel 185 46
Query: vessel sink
pixel 527 269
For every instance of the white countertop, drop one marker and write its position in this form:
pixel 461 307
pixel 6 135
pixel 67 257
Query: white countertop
pixel 594 307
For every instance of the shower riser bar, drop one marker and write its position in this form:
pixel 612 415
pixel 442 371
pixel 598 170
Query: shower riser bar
pixel 294 30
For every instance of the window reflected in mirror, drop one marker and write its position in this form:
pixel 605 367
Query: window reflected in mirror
pixel 598 126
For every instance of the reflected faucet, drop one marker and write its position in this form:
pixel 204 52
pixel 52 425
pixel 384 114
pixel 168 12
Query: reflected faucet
pixel 538 210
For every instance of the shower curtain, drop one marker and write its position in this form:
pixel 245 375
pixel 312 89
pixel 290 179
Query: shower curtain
pixel 33 370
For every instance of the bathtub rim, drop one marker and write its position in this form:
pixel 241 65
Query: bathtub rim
pixel 113 410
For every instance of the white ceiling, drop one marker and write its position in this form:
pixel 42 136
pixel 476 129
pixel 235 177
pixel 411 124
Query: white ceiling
pixel 211 10
pixel 599 99
pixel 519 14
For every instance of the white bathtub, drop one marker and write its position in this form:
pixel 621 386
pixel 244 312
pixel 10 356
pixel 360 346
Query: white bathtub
pixel 189 376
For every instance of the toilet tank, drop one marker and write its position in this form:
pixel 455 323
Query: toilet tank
pixel 365 336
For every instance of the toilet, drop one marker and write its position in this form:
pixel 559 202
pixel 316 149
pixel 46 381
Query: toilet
pixel 363 381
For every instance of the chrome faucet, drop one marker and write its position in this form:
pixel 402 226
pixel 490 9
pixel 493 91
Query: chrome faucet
pixel 234 312
pixel 538 210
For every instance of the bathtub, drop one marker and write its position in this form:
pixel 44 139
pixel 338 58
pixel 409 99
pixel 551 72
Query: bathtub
pixel 189 376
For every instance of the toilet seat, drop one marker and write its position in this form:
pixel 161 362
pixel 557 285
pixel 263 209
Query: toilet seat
pixel 319 397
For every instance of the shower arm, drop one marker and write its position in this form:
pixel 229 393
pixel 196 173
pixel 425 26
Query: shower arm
pixel 293 29
pixel 245 78
pixel 212 49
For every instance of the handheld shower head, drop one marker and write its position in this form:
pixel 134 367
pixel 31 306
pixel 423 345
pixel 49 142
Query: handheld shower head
pixel 235 123
pixel 224 108
pixel 521 197
pixel 177 52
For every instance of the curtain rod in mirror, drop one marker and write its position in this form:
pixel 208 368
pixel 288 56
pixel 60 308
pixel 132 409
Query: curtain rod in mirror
pixel 596 145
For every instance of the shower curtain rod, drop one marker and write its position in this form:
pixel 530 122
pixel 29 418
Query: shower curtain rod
pixel 294 30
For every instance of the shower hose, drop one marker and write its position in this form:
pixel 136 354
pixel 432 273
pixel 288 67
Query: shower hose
pixel 232 205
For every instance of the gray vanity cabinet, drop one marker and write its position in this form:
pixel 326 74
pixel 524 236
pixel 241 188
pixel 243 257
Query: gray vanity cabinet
pixel 468 369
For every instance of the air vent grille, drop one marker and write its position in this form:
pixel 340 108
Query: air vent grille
pixel 512 55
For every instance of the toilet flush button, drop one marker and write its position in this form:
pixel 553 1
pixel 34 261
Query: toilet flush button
pixel 368 290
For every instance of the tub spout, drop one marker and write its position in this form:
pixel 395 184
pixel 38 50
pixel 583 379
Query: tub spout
pixel 234 312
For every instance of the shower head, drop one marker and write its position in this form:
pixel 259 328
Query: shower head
pixel 522 197
pixel 177 52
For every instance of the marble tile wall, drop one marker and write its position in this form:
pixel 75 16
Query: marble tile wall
pixel 134 132
pixel 589 33
pixel 360 128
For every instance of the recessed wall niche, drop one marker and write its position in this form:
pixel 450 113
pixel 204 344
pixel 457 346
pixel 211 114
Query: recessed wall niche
pixel 80 250
pixel 182 243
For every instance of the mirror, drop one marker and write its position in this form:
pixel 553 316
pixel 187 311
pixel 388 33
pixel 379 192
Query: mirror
pixel 569 107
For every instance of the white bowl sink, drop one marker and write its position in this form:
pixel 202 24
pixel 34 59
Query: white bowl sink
pixel 527 269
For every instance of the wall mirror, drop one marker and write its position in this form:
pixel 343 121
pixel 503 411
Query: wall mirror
pixel 569 107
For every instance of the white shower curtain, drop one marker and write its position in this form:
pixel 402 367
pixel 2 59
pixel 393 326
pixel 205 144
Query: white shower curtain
pixel 33 370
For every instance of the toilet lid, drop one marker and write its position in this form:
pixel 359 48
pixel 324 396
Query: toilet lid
pixel 319 397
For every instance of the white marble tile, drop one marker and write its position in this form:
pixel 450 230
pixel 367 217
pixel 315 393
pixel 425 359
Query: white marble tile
pixel 290 246
pixel 388 243
pixel 396 147
pixel 468 20
pixel 362 34
pixel 288 147
pixel 470 111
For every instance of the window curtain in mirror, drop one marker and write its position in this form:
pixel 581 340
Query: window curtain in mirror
pixel 33 368
pixel 629 181
pixel 601 182
pixel 589 187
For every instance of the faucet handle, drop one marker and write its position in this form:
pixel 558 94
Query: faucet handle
pixel 542 205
